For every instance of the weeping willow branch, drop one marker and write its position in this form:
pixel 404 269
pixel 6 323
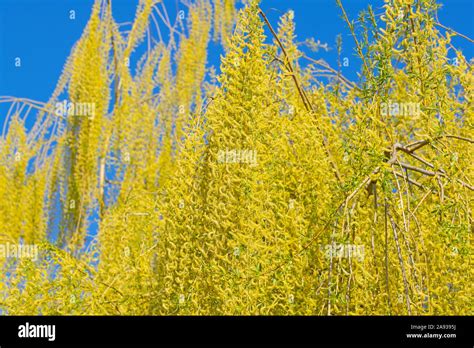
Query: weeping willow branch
pixel 304 97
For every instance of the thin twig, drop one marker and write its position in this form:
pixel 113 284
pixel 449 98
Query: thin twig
pixel 402 265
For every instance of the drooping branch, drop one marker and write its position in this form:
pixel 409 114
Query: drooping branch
pixel 309 107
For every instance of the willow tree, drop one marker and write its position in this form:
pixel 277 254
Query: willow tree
pixel 277 187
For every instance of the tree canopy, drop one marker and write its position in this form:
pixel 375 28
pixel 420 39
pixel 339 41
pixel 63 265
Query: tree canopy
pixel 262 189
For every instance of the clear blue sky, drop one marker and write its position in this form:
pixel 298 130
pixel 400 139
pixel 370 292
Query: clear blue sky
pixel 41 34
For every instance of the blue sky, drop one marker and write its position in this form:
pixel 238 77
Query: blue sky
pixel 41 34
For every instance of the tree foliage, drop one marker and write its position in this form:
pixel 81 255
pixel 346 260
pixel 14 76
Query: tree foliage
pixel 265 190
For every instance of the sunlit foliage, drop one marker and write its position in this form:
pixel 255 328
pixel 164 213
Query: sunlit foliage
pixel 275 187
